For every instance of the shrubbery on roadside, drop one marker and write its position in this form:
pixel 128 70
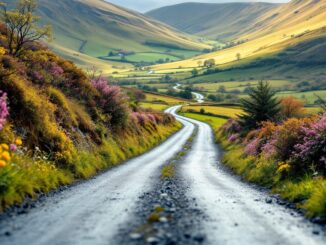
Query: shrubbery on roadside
pixel 70 126
pixel 288 156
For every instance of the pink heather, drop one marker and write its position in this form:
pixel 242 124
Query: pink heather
pixel 4 111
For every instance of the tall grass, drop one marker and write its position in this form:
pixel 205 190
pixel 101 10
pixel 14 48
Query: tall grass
pixel 30 176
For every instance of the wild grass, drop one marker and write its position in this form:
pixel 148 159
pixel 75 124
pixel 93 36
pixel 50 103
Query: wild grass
pixel 30 176
pixel 168 171
pixel 222 111
pixel 307 192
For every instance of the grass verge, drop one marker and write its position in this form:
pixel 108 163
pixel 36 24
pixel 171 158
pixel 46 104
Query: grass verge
pixel 28 176
pixel 307 193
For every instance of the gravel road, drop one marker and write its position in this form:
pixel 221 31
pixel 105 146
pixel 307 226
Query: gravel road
pixel 203 204
pixel 91 212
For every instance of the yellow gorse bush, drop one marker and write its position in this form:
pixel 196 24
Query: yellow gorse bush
pixel 2 51
pixel 6 152
pixel 283 167
pixel 4 155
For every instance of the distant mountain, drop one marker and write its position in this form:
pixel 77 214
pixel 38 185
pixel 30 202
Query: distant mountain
pixel 215 21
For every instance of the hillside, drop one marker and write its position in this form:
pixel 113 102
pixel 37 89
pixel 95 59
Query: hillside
pixel 294 18
pixel 214 21
pixel 88 29
pixel 308 22
pixel 57 125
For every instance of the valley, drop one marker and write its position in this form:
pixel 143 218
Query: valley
pixel 193 123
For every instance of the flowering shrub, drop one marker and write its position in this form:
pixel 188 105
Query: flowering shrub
pixel 7 151
pixel 231 127
pixel 252 148
pixel 112 101
pixel 142 118
pixel 300 143
pixel 4 112
pixel 234 138
pixel 311 148
pixel 56 70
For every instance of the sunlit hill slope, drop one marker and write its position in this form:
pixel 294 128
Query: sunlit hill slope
pixel 222 21
pixel 87 29
pixel 289 25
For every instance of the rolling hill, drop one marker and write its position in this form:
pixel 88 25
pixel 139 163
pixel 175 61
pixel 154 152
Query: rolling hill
pixel 87 29
pixel 300 21
pixel 221 21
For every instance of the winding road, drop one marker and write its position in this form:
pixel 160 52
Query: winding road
pixel 198 97
pixel 92 212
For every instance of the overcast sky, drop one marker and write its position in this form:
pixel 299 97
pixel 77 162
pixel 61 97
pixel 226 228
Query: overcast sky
pixel 146 5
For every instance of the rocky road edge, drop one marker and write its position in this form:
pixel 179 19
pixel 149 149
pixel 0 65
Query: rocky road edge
pixel 165 215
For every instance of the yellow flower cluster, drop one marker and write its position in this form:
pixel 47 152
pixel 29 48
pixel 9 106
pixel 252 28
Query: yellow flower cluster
pixel 283 167
pixel 5 154
pixel 2 51
pixel 18 142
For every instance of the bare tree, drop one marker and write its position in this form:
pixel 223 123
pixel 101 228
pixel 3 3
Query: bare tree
pixel 22 25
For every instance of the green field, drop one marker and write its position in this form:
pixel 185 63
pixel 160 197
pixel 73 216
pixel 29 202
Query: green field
pixel 163 99
pixel 146 57
pixel 223 111
pixel 214 122
pixel 240 85
pixel 308 97
pixel 154 106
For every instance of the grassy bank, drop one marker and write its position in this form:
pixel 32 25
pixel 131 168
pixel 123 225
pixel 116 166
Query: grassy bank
pixel 307 192
pixel 31 175
pixel 59 124
pixel 293 181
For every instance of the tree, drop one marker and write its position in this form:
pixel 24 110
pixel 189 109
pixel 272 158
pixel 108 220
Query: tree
pixel 209 63
pixel 262 105
pixel 238 56
pixel 194 72
pixel 291 107
pixel 22 26
pixel 322 103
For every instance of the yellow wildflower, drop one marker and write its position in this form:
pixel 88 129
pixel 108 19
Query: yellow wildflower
pixel 18 141
pixel 283 167
pixel 5 147
pixel 2 51
pixel 5 156
pixel 2 163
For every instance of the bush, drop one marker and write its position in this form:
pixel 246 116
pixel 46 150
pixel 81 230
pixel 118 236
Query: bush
pixel 113 102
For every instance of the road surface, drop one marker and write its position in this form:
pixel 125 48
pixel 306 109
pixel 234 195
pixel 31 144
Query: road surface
pixel 198 97
pixel 238 213
pixel 93 211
